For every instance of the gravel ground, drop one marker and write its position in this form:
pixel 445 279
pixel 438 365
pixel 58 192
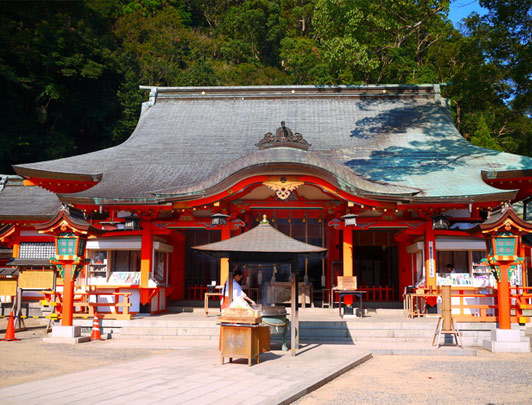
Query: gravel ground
pixel 488 378
pixel 31 359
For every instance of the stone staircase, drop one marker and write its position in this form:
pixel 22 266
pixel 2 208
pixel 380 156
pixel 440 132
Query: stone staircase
pixel 147 329
pixel 385 326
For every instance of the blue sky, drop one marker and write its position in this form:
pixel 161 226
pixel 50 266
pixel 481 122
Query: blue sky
pixel 462 8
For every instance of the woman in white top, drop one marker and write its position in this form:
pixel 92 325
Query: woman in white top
pixel 237 290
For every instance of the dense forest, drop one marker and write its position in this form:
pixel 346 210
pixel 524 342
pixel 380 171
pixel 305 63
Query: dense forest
pixel 70 70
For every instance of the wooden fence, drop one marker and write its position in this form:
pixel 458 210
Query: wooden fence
pixel 472 304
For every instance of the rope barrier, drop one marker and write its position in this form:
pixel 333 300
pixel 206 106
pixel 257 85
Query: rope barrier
pixel 54 316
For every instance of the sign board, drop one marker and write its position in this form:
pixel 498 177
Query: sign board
pixel 347 283
pixel 8 287
pixel 431 259
pixel 36 280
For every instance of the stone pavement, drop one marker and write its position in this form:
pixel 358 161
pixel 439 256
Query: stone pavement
pixel 194 376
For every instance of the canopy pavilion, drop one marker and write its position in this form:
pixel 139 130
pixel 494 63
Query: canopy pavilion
pixel 388 155
pixel 264 244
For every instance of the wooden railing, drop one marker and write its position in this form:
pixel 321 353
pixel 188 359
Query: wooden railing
pixel 196 292
pixel 378 293
pixel 86 304
pixel 472 304
pixel 521 303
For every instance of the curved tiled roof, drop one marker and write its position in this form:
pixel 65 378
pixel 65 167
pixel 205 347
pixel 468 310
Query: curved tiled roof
pixel 372 141
pixel 18 202
pixel 261 239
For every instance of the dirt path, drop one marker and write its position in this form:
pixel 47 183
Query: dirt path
pixel 485 379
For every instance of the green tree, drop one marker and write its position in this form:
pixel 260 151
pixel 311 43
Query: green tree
pixel 251 31
pixel 378 41
pixel 303 59
pixel 507 31
pixel 59 78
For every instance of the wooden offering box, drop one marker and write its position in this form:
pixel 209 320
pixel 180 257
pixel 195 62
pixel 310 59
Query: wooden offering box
pixel 241 336
pixel 244 341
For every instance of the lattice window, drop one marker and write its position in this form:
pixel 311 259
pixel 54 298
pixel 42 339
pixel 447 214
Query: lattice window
pixel 505 247
pixel 37 250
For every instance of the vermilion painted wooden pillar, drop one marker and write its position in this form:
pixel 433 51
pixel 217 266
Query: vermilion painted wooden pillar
pixel 16 249
pixel 68 297
pixel 177 266
pixel 16 242
pixel 146 255
pixel 332 253
pixel 405 268
pixel 224 262
pixel 430 256
pixel 523 254
pixel 347 252
pixel 503 296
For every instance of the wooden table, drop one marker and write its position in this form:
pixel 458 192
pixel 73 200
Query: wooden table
pixel 413 304
pixel 244 341
pixel 209 294
pixel 356 293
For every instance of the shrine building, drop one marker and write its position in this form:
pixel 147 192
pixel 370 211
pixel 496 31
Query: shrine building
pixel 376 174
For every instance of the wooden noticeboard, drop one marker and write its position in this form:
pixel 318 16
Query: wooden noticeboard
pixel 36 280
pixel 347 283
pixel 8 287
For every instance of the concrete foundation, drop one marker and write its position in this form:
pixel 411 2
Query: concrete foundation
pixel 507 341
pixel 69 341
pixel 66 334
pixel 59 331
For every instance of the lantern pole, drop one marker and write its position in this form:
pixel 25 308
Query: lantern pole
pixel 503 296
pixel 68 296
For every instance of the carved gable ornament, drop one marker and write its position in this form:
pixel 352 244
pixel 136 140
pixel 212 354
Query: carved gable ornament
pixel 283 187
pixel 283 137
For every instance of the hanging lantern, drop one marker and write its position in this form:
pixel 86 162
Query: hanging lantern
pixel 527 209
pixel 132 223
pixel 440 222
pixel 350 219
pixel 219 219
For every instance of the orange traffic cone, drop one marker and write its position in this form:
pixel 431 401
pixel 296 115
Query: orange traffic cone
pixel 10 331
pixel 95 335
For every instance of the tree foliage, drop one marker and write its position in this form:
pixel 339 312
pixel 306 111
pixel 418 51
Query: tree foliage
pixel 70 70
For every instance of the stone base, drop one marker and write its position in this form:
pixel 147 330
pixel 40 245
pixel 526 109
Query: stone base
pixel 59 331
pixel 507 341
pixel 67 340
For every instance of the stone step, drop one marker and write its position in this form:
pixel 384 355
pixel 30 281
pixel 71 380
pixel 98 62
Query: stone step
pixel 119 336
pixel 213 332
pixel 143 331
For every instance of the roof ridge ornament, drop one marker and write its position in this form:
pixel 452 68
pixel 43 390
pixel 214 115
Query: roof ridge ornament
pixel 283 137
